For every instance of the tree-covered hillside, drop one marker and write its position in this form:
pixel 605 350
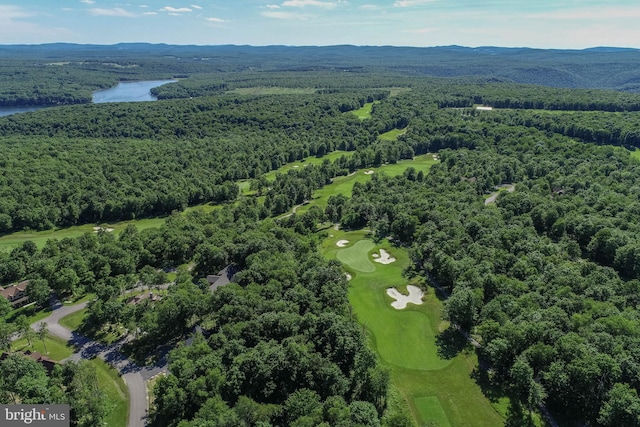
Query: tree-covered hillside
pixel 61 73
pixel 529 222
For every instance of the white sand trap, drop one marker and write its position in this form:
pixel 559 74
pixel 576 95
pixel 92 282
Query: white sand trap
pixel 342 243
pixel 348 276
pixel 375 255
pixel 384 258
pixel 296 166
pixel 401 301
pixel 368 173
pixel 96 229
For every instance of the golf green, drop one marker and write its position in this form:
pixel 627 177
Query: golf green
pixel 357 256
pixel 437 391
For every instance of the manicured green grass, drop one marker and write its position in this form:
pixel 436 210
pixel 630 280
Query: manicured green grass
pixel 57 348
pixel 312 160
pixel 635 154
pixel 392 135
pixel 112 385
pixel 273 91
pixel 364 112
pixel 31 312
pixel 436 389
pixel 13 240
pixel 431 411
pixel 74 320
pixel 344 184
pixel 356 257
pixel 81 299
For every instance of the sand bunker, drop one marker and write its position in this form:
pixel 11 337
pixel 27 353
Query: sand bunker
pixel 401 301
pixel 384 258
pixel 368 173
pixel 342 243
pixel 348 276
pixel 108 230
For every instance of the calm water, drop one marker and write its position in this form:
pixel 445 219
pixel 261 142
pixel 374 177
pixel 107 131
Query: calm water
pixel 124 92
pixel 7 111
pixel 129 92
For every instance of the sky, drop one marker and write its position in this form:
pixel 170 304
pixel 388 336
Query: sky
pixel 562 24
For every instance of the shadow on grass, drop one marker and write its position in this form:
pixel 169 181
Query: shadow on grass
pixel 450 343
pixel 492 391
pixel 517 416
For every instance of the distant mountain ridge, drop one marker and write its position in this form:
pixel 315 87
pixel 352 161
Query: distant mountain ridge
pixel 598 67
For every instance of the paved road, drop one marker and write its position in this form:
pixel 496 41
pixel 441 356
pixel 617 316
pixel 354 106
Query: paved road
pixel 134 376
pixel 491 199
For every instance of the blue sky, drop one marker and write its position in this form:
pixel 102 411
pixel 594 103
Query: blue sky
pixel 571 24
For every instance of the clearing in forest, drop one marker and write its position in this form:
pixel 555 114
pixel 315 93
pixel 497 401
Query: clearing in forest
pixel 364 112
pixel 392 135
pixel 438 390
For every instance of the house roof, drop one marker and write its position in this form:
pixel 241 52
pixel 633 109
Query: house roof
pixel 148 295
pixel 224 277
pixel 15 288
pixel 45 361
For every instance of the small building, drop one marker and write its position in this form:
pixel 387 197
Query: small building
pixel 145 296
pixel 16 293
pixel 48 363
pixel 224 277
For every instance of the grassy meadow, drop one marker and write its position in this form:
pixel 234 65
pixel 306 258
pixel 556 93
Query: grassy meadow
pixel 275 90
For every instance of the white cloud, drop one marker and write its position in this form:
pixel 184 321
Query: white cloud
pixel 144 5
pixel 304 3
pixel 218 20
pixel 409 3
pixel 369 6
pixel 195 6
pixel 289 16
pixel 15 27
pixel 88 1
pixel 272 6
pixel 116 11
pixel 150 13
pixel 12 12
pixel 176 10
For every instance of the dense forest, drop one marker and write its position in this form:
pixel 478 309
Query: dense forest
pixel 545 278
pixel 60 74
pixel 281 347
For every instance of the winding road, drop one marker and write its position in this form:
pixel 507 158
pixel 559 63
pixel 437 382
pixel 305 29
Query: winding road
pixel 134 376
pixel 492 198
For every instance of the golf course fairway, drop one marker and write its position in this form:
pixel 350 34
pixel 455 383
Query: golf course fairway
pixel 437 391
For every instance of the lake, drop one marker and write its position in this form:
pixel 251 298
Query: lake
pixel 129 92
pixel 124 92
pixel 7 111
